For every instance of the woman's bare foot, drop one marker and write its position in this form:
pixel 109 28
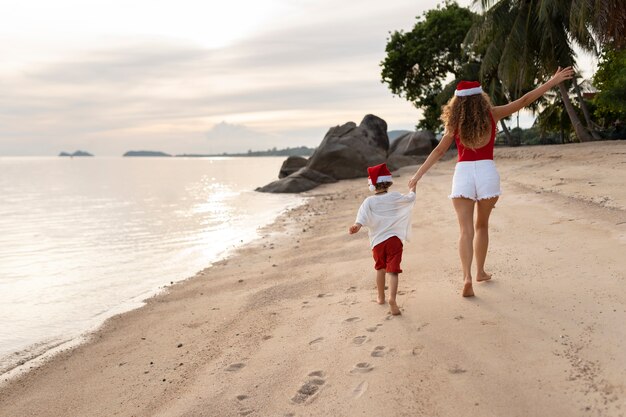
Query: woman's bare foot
pixel 468 291
pixel 393 307
pixel 483 276
pixel 380 300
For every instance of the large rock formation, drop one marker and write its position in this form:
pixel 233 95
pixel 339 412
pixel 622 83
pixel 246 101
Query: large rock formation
pixel 291 165
pixel 345 152
pixel 411 148
pixel 348 150
pixel 302 180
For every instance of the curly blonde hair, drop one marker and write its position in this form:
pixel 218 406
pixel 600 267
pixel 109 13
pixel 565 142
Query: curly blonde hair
pixel 468 117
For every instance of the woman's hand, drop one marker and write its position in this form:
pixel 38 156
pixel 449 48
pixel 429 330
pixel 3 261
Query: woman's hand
pixel 562 74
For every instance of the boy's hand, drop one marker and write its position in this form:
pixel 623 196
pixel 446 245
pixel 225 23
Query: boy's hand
pixel 354 228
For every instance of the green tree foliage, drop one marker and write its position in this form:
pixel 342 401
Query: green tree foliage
pixel 605 18
pixel 419 62
pixel 528 40
pixel 610 80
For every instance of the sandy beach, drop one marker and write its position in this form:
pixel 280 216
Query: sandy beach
pixel 289 326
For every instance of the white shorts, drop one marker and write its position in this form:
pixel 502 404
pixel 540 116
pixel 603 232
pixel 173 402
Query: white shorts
pixel 476 180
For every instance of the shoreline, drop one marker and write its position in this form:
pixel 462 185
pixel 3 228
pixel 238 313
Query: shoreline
pixel 289 325
pixel 38 354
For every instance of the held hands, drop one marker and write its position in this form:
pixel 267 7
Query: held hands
pixel 354 228
pixel 562 74
pixel 413 182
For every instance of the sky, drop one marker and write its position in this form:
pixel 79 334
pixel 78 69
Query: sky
pixel 189 76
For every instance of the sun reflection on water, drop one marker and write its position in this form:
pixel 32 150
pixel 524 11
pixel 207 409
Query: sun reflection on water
pixel 114 231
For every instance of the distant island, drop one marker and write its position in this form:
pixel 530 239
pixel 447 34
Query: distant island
pixel 77 153
pixel 299 151
pixel 146 153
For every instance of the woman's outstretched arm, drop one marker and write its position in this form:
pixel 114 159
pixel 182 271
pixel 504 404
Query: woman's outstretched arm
pixel 435 155
pixel 500 112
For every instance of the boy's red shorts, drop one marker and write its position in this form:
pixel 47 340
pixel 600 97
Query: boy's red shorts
pixel 388 255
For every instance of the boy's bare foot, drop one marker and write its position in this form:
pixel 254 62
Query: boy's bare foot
pixel 393 307
pixel 483 276
pixel 468 291
pixel 380 300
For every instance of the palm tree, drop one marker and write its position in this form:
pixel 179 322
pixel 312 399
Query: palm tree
pixel 605 18
pixel 528 41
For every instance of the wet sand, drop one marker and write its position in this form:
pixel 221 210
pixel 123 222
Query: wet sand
pixel 289 325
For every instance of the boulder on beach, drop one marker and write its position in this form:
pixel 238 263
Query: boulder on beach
pixel 291 165
pixel 345 152
pixel 304 179
pixel 348 150
pixel 411 148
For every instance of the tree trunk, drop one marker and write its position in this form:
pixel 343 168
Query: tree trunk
pixel 507 134
pixel 590 124
pixel 581 132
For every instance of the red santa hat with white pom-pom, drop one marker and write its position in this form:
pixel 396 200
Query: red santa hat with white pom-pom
pixel 377 174
pixel 467 88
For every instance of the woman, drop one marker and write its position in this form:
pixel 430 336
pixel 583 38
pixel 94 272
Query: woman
pixel 470 120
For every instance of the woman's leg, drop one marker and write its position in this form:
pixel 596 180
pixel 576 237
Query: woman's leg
pixel 464 208
pixel 481 240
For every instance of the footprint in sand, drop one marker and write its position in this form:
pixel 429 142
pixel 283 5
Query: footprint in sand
pixel 378 352
pixel 352 320
pixel 422 326
pixel 246 412
pixel 359 340
pixel 351 289
pixel 457 370
pixel 362 367
pixel 360 389
pixel 235 367
pixel 310 388
pixel 372 329
pixel 315 343
pixel 241 397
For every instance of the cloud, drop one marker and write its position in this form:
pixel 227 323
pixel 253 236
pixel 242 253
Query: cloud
pixel 290 83
pixel 229 137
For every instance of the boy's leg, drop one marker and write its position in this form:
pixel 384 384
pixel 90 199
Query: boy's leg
pixel 393 290
pixel 380 285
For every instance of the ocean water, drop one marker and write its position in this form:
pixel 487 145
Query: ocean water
pixel 82 239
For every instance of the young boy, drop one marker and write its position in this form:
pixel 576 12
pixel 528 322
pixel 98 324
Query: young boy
pixel 387 216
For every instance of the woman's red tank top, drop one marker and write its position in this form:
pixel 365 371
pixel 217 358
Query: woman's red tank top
pixel 486 152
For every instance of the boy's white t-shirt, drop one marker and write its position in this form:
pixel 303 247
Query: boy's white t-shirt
pixel 387 215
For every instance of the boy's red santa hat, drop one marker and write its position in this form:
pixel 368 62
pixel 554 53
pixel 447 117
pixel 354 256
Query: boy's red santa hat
pixel 467 88
pixel 377 174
